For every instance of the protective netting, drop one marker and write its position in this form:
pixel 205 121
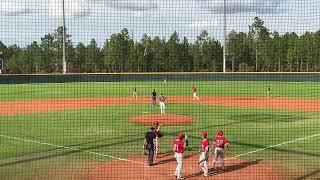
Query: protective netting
pixel 155 63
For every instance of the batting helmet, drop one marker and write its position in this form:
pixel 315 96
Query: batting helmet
pixel 220 132
pixel 181 136
pixel 204 134
pixel 156 123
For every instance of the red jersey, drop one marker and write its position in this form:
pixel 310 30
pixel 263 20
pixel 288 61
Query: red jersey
pixel 178 146
pixel 162 98
pixel 220 141
pixel 157 131
pixel 205 145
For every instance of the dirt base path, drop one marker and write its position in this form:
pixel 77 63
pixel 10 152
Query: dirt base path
pixel 33 106
pixel 165 166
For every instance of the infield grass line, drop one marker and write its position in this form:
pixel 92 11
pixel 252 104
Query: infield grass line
pixel 70 148
pixel 269 147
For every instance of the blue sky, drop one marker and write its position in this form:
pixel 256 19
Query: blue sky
pixel 22 21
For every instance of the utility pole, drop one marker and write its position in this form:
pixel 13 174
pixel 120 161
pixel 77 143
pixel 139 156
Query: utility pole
pixel 64 64
pixel 1 63
pixel 256 38
pixel 256 58
pixel 224 34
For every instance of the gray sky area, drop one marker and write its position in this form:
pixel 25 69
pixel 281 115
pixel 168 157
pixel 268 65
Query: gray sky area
pixel 23 21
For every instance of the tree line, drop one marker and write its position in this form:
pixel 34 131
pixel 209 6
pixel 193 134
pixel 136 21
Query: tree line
pixel 257 50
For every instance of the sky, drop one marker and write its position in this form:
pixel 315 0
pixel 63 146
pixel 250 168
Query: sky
pixel 23 21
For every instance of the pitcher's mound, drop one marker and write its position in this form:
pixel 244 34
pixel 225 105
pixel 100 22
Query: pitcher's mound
pixel 167 119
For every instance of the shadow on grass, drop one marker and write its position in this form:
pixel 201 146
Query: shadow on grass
pixel 311 175
pixel 69 151
pixel 172 159
pixel 239 119
pixel 229 168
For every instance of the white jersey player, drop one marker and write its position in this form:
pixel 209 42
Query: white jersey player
pixel 162 100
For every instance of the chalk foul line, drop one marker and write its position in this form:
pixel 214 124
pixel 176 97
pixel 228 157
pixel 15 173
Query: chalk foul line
pixel 136 162
pixel 69 148
pixel 269 147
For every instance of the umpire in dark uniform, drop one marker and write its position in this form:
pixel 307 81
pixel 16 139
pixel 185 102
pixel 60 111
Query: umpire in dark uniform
pixel 149 145
pixel 154 97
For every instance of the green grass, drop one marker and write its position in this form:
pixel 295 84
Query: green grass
pixel 106 130
pixel 179 88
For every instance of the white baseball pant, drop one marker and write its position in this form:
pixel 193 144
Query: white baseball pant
pixel 178 171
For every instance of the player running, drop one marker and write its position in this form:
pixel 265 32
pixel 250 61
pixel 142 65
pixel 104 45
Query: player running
pixel 220 143
pixel 149 142
pixel 157 128
pixel 162 104
pixel 204 156
pixel 178 147
pixel 154 97
pixel 194 93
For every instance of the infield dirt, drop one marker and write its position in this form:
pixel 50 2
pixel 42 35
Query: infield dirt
pixel 12 108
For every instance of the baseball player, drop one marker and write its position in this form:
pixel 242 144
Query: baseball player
pixel 154 97
pixel 134 92
pixel 157 127
pixel 204 156
pixel 164 81
pixel 162 104
pixel 220 143
pixel 269 91
pixel 178 147
pixel 194 93
pixel 149 142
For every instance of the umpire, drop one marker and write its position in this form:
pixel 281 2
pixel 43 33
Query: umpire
pixel 154 97
pixel 149 145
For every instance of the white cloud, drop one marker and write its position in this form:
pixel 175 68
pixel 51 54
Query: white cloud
pixel 237 6
pixel 72 8
pixel 15 7
pixel 204 23
pixel 53 8
pixel 75 8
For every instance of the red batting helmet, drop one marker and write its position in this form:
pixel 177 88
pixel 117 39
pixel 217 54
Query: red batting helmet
pixel 156 123
pixel 181 136
pixel 204 134
pixel 220 132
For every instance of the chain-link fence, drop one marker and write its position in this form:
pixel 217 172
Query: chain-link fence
pixel 144 97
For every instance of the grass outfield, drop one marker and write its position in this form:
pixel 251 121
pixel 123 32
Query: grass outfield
pixel 178 88
pixel 106 130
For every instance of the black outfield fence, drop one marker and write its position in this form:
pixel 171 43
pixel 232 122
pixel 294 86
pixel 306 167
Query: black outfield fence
pixel 68 78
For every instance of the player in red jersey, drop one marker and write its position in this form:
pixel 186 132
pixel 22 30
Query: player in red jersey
pixel 178 147
pixel 219 145
pixel 204 156
pixel 157 128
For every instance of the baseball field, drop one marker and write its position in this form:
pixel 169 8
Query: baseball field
pixel 92 130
